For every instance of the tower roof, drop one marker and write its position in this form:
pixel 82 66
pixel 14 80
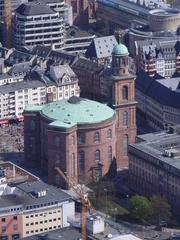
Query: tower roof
pixel 120 49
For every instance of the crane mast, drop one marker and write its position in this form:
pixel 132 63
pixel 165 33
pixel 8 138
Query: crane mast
pixel 85 203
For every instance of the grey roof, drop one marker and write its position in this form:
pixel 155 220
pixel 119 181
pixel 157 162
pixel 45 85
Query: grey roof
pixel 75 32
pixel 60 70
pixel 17 57
pixel 20 68
pixel 49 1
pixel 29 197
pixel 20 86
pixel 62 234
pixel 154 144
pixel 101 47
pixel 87 65
pixel 153 88
pixel 10 200
pixel 33 8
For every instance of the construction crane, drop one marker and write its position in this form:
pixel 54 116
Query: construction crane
pixel 85 203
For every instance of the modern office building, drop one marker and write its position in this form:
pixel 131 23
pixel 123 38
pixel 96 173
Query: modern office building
pixel 154 166
pixel 36 23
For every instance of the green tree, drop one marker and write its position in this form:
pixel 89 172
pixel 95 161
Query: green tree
pixel 140 207
pixel 161 210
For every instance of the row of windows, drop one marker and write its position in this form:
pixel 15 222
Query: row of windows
pixel 97 158
pixel 42 214
pixel 82 137
pixel 42 230
pixel 4 219
pixel 42 222
pixel 97 137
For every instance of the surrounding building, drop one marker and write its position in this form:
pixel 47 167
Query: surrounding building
pixel 159 56
pixel 36 23
pixel 77 40
pixel 100 49
pixel 85 128
pixel 36 87
pixel 154 166
pixel 28 206
pixel 80 12
pixel 158 101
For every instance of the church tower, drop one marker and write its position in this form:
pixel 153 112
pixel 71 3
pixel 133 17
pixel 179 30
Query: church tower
pixel 123 100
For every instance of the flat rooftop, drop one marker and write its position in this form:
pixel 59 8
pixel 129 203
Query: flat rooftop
pixel 163 146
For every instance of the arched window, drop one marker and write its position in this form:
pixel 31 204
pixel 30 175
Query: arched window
pixel 32 124
pixel 125 118
pixel 97 137
pixel 110 154
pixel 82 138
pixel 73 140
pixel 97 155
pixel 109 133
pixel 57 179
pixel 125 145
pixel 57 141
pixel 72 165
pixel 57 160
pixel 81 162
pixel 125 92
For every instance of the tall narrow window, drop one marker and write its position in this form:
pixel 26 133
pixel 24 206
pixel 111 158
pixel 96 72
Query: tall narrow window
pixel 97 155
pixel 97 137
pixel 110 154
pixel 125 118
pixel 82 138
pixel 57 160
pixel 125 92
pixel 72 165
pixel 57 141
pixel 109 133
pixel 125 145
pixel 81 162
pixel 73 140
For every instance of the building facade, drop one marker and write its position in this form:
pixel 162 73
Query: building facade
pixel 28 206
pixel 33 87
pixel 154 166
pixel 158 56
pixel 158 101
pixel 116 86
pixel 77 135
pixel 36 23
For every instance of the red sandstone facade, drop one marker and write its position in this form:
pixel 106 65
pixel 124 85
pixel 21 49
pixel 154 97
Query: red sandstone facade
pixel 11 227
pixel 85 152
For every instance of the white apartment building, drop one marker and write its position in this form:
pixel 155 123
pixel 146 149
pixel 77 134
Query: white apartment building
pixel 59 83
pixel 36 23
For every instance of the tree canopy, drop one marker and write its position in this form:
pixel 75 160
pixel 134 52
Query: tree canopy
pixel 140 207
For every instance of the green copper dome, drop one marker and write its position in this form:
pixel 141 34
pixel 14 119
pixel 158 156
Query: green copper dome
pixel 120 49
pixel 67 113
